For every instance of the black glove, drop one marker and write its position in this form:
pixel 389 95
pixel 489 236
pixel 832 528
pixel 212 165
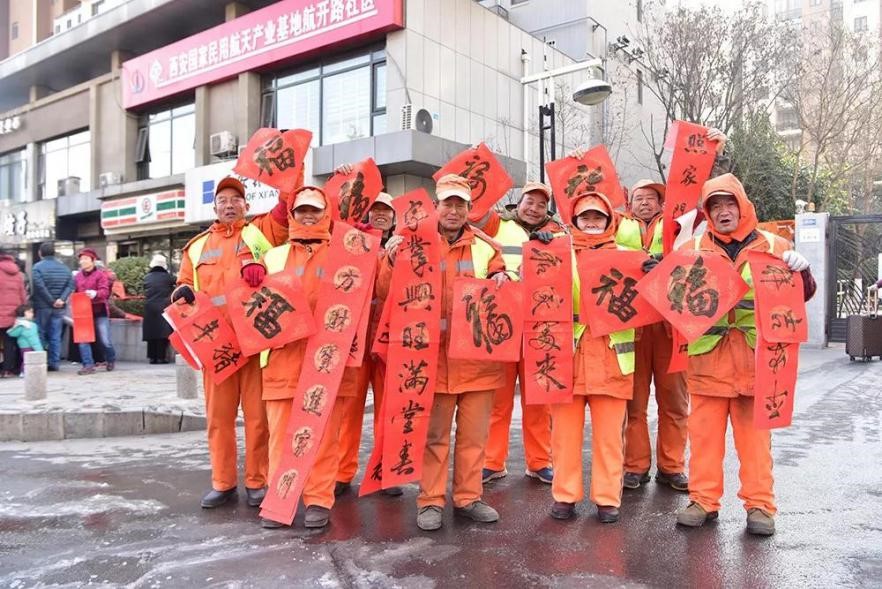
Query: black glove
pixel 184 292
pixel 543 236
pixel 651 262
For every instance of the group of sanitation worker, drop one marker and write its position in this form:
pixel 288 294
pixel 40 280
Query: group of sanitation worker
pixel 612 381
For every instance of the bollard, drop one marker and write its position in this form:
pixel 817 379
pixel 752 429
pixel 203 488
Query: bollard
pixel 35 375
pixel 185 377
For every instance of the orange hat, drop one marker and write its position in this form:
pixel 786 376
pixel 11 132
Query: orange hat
pixel 590 201
pixel 537 187
pixel 230 182
pixel 384 198
pixel 304 196
pixel 645 183
pixel 451 185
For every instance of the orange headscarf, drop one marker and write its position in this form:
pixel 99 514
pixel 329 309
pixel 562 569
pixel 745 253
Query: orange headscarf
pixel 729 184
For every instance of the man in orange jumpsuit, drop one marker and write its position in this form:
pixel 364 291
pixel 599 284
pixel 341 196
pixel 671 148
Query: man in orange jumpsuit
pixel 305 256
pixel 464 388
pixel 642 229
pixel 720 375
pixel 604 381
pixel 373 370
pixel 213 262
pixel 511 230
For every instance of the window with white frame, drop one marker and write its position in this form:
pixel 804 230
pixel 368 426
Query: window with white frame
pixel 166 142
pixel 12 174
pixel 62 158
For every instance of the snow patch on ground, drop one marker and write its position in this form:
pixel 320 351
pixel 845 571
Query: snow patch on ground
pixel 86 506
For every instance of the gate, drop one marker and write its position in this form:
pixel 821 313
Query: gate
pixel 856 243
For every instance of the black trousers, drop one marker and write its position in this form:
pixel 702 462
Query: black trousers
pixel 11 353
pixel 157 350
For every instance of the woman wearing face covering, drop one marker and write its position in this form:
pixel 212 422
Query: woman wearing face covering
pixel 309 231
pixel 604 379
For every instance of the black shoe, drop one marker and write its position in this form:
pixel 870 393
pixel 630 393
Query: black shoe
pixel 676 481
pixel 214 498
pixel 393 492
pixel 154 361
pixel 270 524
pixel 316 516
pixel 633 480
pixel 255 496
pixel 110 366
pixel 607 514
pixel 341 488
pixel 563 510
pixel 52 369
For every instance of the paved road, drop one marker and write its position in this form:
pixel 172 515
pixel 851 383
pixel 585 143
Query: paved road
pixel 124 512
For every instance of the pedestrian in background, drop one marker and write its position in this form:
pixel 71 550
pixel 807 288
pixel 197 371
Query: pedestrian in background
pixel 25 332
pixel 53 285
pixel 158 286
pixel 12 295
pixel 96 284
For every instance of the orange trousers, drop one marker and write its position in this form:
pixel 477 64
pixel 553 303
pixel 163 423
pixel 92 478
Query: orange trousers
pixel 536 425
pixel 221 410
pixel 653 354
pixel 472 422
pixel 608 415
pixel 319 486
pixel 708 422
pixel 350 431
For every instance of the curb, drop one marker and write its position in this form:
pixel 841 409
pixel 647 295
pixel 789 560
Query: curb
pixel 60 425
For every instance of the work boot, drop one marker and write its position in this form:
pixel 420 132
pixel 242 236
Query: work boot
pixel 543 474
pixel 478 511
pixel 633 480
pixel 86 370
pixel 270 524
pixel 215 498
pixel 111 366
pixel 488 475
pixel 607 514
pixel 393 492
pixel 694 516
pixel 316 516
pixel 255 496
pixel 429 518
pixel 341 488
pixel 677 481
pixel 563 510
pixel 759 522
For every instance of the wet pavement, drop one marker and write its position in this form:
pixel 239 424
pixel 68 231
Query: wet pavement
pixel 124 512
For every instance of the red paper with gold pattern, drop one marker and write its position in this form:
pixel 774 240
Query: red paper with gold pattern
pixel 83 321
pixel 353 194
pixel 270 315
pixel 415 303
pixel 594 172
pixel 487 177
pixel 610 300
pixel 350 263
pixel 487 323
pixel 778 300
pixel 691 165
pixel 692 290
pixel 547 276
pixel 275 158
pixel 775 384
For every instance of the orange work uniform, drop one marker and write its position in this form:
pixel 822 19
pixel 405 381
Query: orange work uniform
pixel 721 381
pixel 536 420
pixel 219 269
pixel 600 384
pixel 464 388
pixel 308 253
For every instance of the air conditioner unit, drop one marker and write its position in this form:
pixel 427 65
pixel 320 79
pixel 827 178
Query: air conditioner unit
pixel 68 186
pixel 106 179
pixel 417 119
pixel 223 144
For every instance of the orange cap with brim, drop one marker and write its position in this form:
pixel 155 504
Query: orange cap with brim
pixel 646 183
pixel 230 182
pixel 537 187
pixel 451 185
pixel 590 202
pixel 305 196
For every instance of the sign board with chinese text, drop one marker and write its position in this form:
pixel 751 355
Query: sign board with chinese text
pixel 199 186
pixel 144 209
pixel 30 222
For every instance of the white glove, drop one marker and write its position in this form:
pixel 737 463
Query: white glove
pixel 392 246
pixel 91 293
pixel 795 261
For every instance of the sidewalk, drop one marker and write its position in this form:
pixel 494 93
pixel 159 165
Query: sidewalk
pixel 136 398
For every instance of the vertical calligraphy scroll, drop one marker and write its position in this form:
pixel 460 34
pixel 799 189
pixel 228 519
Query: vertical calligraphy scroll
pixel 487 322
pixel 593 172
pixel 547 274
pixel 347 282
pixel 353 194
pixel 275 158
pixel 487 177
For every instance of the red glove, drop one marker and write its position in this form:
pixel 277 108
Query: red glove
pixel 364 227
pixel 253 273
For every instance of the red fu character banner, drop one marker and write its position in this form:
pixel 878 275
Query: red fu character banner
pixel 353 194
pixel 270 315
pixel 609 298
pixel 83 322
pixel 487 177
pixel 207 334
pixel 275 158
pixel 487 322
pixel 347 282
pixel 547 276
pixel 692 290
pixel 414 303
pixel 691 165
pixel 594 172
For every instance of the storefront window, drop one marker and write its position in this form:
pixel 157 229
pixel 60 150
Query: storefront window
pixel 66 165
pixel 166 142
pixel 337 100
pixel 12 171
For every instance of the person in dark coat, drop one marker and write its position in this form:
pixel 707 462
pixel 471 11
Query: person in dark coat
pixel 53 285
pixel 158 286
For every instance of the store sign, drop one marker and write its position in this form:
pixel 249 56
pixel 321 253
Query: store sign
pixel 199 184
pixel 145 209
pixel 254 40
pixel 11 124
pixel 28 222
